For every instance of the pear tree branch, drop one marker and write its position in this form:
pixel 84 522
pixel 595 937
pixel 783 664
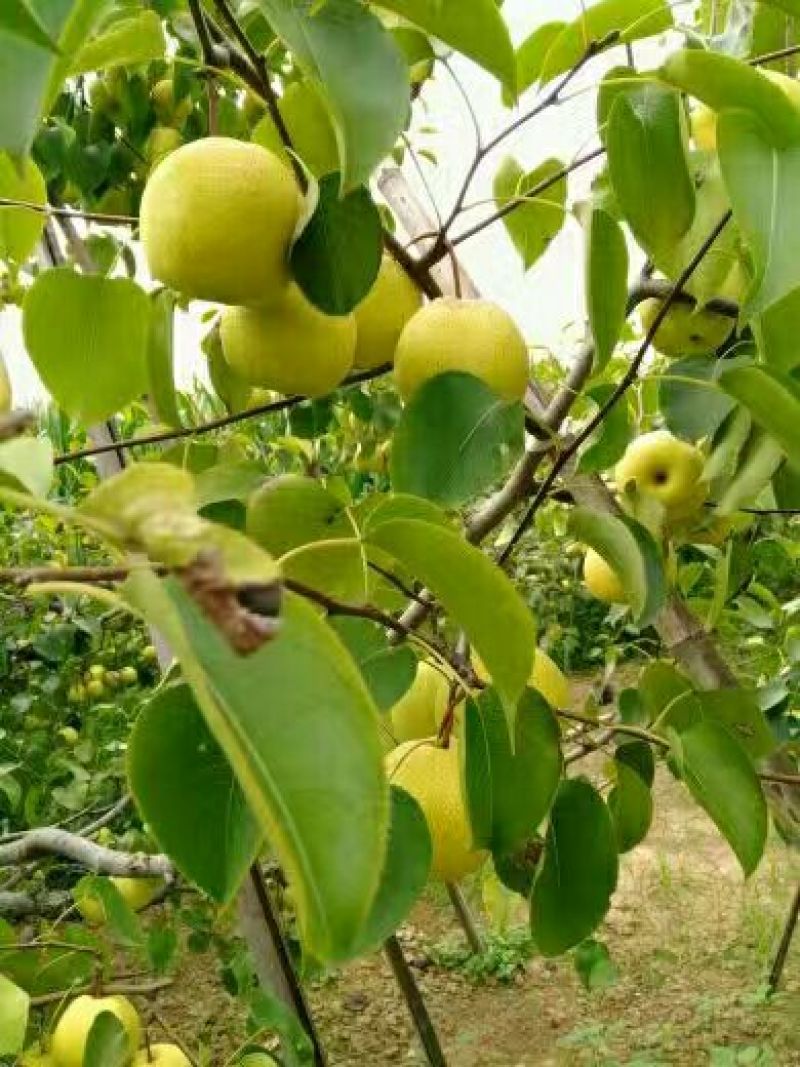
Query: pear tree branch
pixel 47 841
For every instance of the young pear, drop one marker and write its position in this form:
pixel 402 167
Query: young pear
pixel 666 468
pixel 686 330
pixel 432 776
pixel 601 580
pixel 474 336
pixel 72 1030
pixel 289 346
pixel 161 1056
pixel 382 314
pixel 216 221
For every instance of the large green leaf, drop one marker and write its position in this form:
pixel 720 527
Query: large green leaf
pixel 27 463
pixel 336 258
pixel 776 333
pixel 693 411
pixel 300 731
pixel 773 399
pixel 30 73
pixel 608 443
pixel 631 552
pixel 14 1006
pixel 87 338
pixel 573 887
pixel 188 796
pixel 725 83
pixel 160 358
pixel 759 459
pixel 762 179
pixel 475 28
pixel 107 1044
pixel 631 805
pixel 455 439
pixel 722 780
pixel 532 53
pixel 20 228
pixel 531 226
pixel 648 164
pixel 523 782
pixel 19 20
pixel 42 971
pixel 358 68
pixel 388 669
pixel 630 19
pixel 138 39
pixel 606 282
pixel 408 862
pixel 476 594
pixel 739 711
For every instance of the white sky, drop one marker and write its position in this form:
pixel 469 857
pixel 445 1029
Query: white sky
pixel 547 302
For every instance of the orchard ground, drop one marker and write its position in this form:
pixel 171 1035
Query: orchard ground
pixel 690 940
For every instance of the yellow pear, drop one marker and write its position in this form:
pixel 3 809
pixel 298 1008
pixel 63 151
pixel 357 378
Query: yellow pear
pixel 420 710
pixel 685 329
pixel 309 126
pixel 36 1058
pixel 666 468
pixel 170 113
pixel 161 1056
pixel 474 336
pixel 382 314
pixel 704 120
pixel 162 141
pixel 136 892
pixel 72 1029
pixel 20 228
pixel 601 581
pixel 432 776
pixel 216 220
pixel 6 401
pixel 545 677
pixel 289 346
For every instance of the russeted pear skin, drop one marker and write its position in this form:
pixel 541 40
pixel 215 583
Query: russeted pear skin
pixel 474 336
pixel 217 219
pixel 289 346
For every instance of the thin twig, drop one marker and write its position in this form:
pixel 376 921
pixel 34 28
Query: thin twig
pixel 55 211
pixel 128 989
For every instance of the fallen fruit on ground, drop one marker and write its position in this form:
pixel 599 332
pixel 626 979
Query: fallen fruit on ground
pixel 420 710
pixel 289 346
pixel 72 1029
pixel 473 336
pixel 432 776
pixel 685 330
pixel 216 221
pixel 382 314
pixel 601 580
pixel 664 467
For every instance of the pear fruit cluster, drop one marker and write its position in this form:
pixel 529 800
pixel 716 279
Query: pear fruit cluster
pixel 71 1034
pixel 669 471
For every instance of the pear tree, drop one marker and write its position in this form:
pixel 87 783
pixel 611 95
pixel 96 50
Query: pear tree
pixel 356 692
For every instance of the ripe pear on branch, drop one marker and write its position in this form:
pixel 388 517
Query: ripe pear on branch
pixel 662 466
pixel 72 1030
pixel 685 329
pixel 382 315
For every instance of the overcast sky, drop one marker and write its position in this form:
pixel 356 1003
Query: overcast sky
pixel 547 301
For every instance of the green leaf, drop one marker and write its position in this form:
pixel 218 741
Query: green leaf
pixel 14 1007
pixel 228 481
pixel 87 338
pixel 477 773
pixel 336 258
pixel 776 333
pixel 408 862
pixel 725 83
pixel 187 794
pixel 738 710
pixel 608 443
pixel 359 69
pixel 120 919
pixel 663 690
pixel 126 41
pixel 606 281
pixel 388 669
pixel 27 463
pixel 786 484
pixel 631 552
pixel 107 1044
pixel 312 533
pixel 772 399
pixel 532 53
pixel 476 594
pixel 631 19
pixel 631 805
pixel 573 887
pixel 523 782
pixel 757 462
pixel 454 440
pixel 476 29
pixel 18 19
pixel 594 965
pixel 44 971
pixel 648 164
pixel 531 226
pixel 693 411
pixel 31 74
pixel 300 731
pixel 160 358
pixel 762 181
pixel 722 780
pixel 20 228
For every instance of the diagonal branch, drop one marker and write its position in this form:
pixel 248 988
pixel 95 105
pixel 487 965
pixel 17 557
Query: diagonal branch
pixel 96 858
